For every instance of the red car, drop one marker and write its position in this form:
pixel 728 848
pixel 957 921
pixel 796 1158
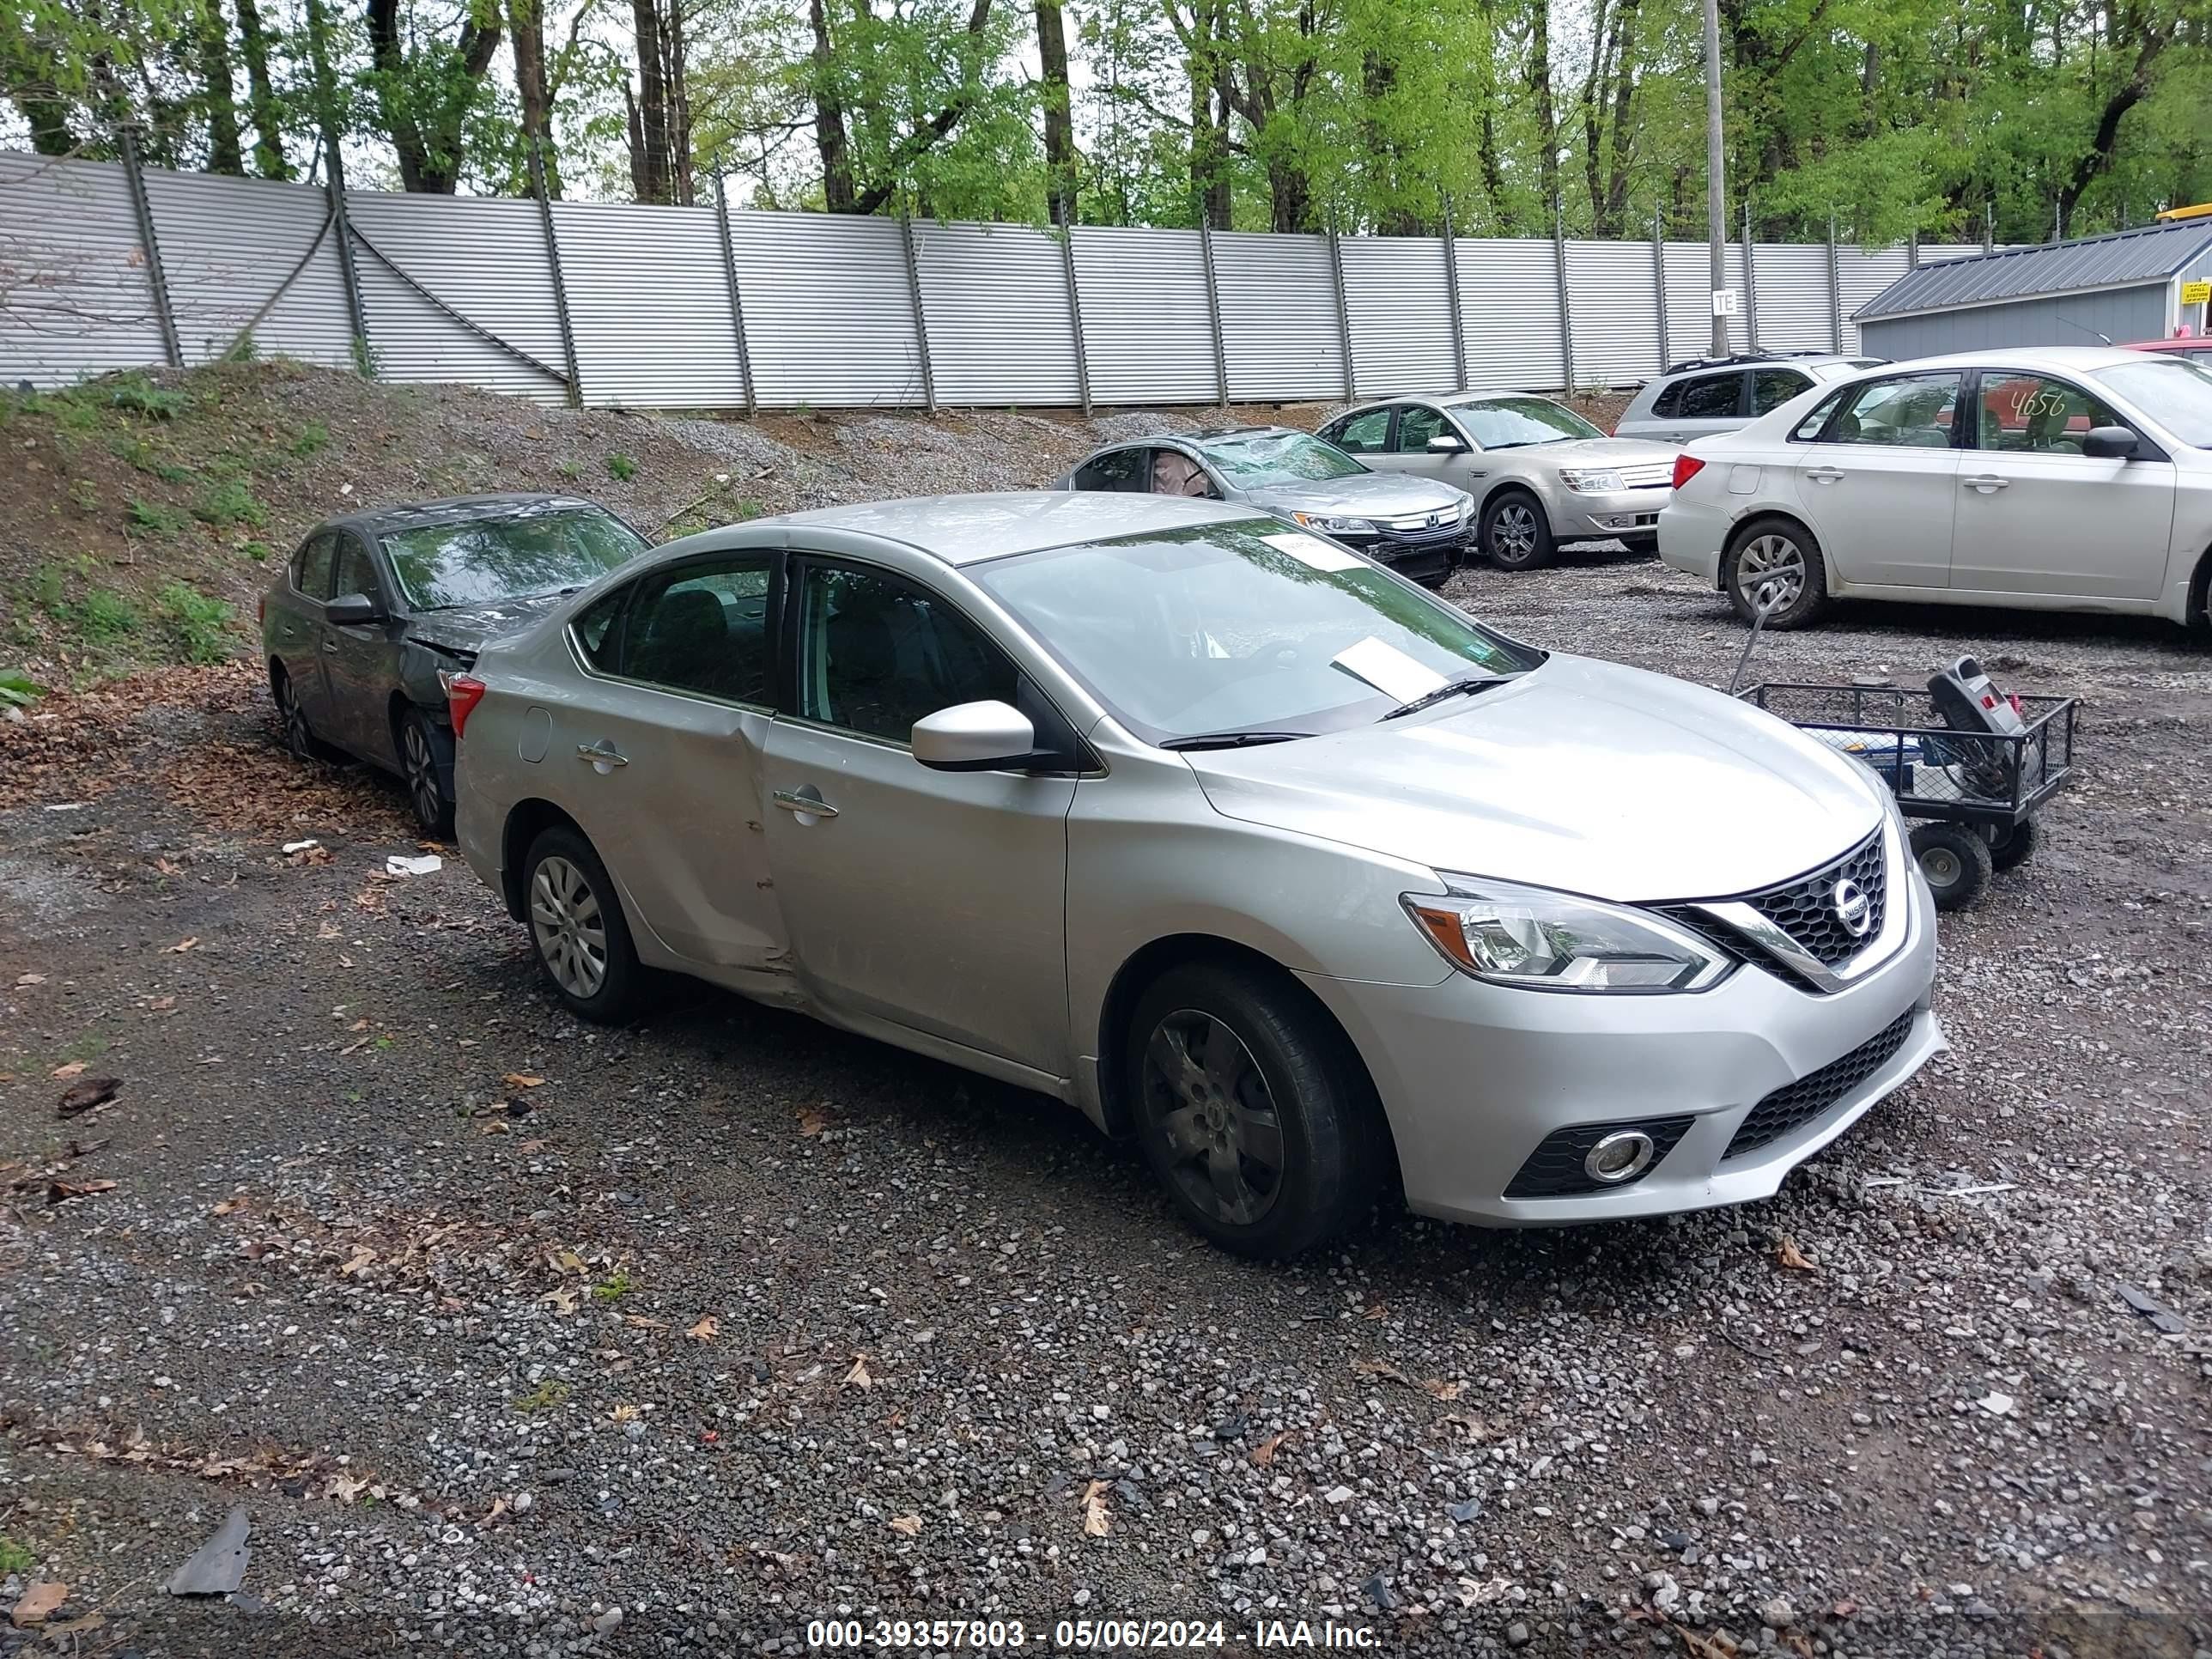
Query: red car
pixel 2195 350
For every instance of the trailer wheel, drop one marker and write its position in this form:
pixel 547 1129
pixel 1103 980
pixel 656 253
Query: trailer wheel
pixel 2014 847
pixel 1956 861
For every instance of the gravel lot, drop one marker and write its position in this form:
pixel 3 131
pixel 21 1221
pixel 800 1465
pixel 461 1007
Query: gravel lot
pixel 516 1337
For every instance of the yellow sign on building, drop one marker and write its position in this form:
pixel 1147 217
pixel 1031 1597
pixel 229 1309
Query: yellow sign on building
pixel 2196 294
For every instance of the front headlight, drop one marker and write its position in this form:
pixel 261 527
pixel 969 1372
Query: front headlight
pixel 1541 940
pixel 1333 525
pixel 1591 480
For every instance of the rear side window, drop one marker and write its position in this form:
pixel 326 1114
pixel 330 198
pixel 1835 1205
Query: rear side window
pixel 1913 411
pixel 1809 429
pixel 699 628
pixel 1121 469
pixel 1771 388
pixel 312 566
pixel 1710 398
pixel 1368 434
pixel 594 630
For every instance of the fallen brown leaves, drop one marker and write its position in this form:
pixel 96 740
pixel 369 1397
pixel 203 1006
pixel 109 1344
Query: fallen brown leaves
pixel 85 1094
pixel 705 1330
pixel 906 1525
pixel 37 1603
pixel 1098 1520
pixel 812 1121
pixel 1264 1453
pixel 315 1474
pixel 1787 1255
pixel 858 1378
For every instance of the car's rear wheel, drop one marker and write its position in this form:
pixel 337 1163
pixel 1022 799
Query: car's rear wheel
pixel 1772 561
pixel 577 924
pixel 1252 1109
pixel 426 761
pixel 1515 532
pixel 298 737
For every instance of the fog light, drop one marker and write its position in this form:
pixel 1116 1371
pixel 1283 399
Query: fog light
pixel 1621 1156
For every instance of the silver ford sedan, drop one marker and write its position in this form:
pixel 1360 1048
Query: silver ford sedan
pixel 1243 845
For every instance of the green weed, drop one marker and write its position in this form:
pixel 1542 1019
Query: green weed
pixel 228 504
pixel 258 551
pixel 544 1397
pixel 15 1560
pixel 312 439
pixel 608 1289
pixel 140 395
pixel 200 625
pixel 155 520
pixel 86 494
pixel 50 590
pixel 105 614
pixel 571 470
pixel 132 450
pixel 18 690
pixel 622 466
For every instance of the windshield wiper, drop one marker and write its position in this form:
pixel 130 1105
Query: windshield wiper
pixel 1232 739
pixel 1449 689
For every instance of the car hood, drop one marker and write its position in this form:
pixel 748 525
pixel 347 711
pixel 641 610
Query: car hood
pixel 1582 775
pixel 1385 495
pixel 1597 451
pixel 469 628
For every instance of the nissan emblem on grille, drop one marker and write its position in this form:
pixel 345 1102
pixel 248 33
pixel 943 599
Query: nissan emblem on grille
pixel 1852 907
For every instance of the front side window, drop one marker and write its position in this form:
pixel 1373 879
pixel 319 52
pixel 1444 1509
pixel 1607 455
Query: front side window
pixel 1517 422
pixel 1119 469
pixel 1364 434
pixel 1261 459
pixel 2177 396
pixel 1712 398
pixel 877 653
pixel 700 626
pixel 1175 473
pixel 357 571
pixel 480 560
pixel 1417 424
pixel 2032 414
pixel 312 569
pixel 1241 627
pixel 1913 411
pixel 1771 388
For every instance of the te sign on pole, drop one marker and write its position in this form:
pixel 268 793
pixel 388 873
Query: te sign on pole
pixel 1726 302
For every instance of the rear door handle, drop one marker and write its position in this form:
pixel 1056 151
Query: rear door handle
pixel 1824 475
pixel 806 801
pixel 601 754
pixel 1986 482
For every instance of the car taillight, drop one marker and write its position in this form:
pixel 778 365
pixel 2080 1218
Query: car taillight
pixel 463 693
pixel 1686 467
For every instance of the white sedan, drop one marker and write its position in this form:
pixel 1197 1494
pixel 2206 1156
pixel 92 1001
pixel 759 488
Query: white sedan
pixel 2078 479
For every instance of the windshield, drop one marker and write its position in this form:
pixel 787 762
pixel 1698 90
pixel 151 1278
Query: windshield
pixel 482 559
pixel 1241 627
pixel 1274 458
pixel 1515 423
pixel 2176 395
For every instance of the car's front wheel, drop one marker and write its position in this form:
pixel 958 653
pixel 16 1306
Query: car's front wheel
pixel 1771 563
pixel 426 761
pixel 1253 1110
pixel 1515 532
pixel 577 924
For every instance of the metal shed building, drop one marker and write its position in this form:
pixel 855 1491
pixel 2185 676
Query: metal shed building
pixel 2126 286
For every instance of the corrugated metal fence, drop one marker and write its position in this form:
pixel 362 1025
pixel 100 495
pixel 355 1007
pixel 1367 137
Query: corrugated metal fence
pixel 615 305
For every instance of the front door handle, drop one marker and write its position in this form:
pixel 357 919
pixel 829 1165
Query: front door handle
pixel 1986 482
pixel 602 754
pixel 806 801
pixel 330 645
pixel 1824 475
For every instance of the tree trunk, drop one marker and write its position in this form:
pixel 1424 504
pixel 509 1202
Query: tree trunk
pixel 219 97
pixel 648 108
pixel 1613 216
pixel 1209 144
pixel 676 78
pixel 268 112
pixel 1059 118
pixel 1547 121
pixel 429 154
pixel 526 26
pixel 830 140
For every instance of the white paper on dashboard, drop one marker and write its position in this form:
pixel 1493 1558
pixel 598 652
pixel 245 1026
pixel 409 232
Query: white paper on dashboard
pixel 1313 551
pixel 1388 669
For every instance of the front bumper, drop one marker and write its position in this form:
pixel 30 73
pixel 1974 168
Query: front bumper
pixel 1474 1077
pixel 1631 514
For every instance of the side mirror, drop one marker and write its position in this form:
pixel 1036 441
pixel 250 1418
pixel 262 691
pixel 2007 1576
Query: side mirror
pixel 2110 443
pixel 352 610
pixel 1447 443
pixel 974 737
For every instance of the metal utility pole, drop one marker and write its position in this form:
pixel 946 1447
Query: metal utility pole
pixel 1716 191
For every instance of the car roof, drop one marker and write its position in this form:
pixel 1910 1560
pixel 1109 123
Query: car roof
pixel 963 530
pixel 2192 344
pixel 455 509
pixel 2080 360
pixel 1758 359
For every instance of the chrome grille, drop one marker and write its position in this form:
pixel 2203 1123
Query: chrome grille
pixel 1418 527
pixel 1806 909
pixel 1792 1106
pixel 1651 475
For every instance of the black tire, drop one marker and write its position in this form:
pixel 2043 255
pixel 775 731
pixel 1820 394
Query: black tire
pixel 298 738
pixel 1293 1085
pixel 2013 847
pixel 1780 546
pixel 1642 547
pixel 1954 858
pixel 1515 532
pixel 426 764
pixel 596 972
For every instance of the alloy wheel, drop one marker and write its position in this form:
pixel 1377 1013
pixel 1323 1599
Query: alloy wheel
pixel 299 742
pixel 571 930
pixel 422 769
pixel 1769 565
pixel 1513 533
pixel 1217 1114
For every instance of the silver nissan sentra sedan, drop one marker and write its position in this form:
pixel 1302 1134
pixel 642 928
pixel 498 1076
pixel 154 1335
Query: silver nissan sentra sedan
pixel 1238 841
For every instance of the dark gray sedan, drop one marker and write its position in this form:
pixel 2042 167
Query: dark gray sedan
pixel 375 610
pixel 1418 527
